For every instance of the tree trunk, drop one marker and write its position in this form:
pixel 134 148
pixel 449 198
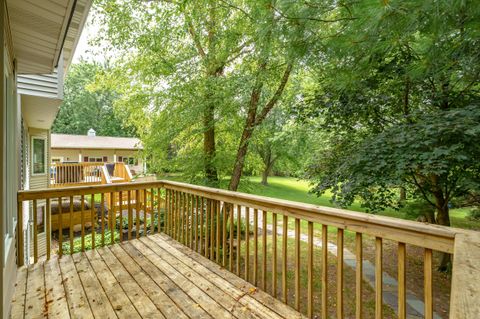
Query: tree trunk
pixel 253 120
pixel 240 158
pixel 209 146
pixel 268 165
pixel 443 218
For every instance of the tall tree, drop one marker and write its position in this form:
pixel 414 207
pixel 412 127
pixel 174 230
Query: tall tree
pixel 399 95
pixel 206 66
pixel 83 109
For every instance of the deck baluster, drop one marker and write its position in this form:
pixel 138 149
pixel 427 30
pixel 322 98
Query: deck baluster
pixel 284 258
pixel 378 279
pixel 324 271
pixel 358 275
pixel 340 311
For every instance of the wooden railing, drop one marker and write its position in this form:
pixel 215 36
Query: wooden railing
pixel 122 171
pixel 75 174
pixel 246 234
pixel 85 173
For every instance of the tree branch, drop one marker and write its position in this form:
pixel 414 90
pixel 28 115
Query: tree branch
pixel 198 45
pixel 278 93
pixel 423 192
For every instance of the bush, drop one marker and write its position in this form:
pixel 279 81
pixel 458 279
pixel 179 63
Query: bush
pixel 474 214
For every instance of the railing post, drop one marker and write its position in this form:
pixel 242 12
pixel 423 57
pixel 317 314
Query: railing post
pixel 465 273
pixel 20 248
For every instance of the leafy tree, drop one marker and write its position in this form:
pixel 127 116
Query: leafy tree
pixel 215 69
pixel 398 94
pixel 280 144
pixel 83 109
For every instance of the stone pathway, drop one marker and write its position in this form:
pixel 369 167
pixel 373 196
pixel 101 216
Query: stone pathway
pixel 415 306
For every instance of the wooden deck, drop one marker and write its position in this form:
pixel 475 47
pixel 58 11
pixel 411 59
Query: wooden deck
pixel 151 277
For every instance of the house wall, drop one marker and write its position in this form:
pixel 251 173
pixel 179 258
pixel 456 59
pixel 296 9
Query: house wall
pixel 67 155
pixel 73 155
pixel 39 181
pixel 9 170
pixel 36 182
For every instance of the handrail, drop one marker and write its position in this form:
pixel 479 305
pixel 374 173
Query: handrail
pixel 436 237
pixel 69 174
pixel 185 207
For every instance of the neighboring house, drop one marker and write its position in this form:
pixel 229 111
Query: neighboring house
pixel 39 38
pixel 93 148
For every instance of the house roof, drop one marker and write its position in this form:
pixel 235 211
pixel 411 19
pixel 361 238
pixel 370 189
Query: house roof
pixel 40 29
pixel 95 142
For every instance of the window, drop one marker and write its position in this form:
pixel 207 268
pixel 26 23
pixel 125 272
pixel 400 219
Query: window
pixel 39 155
pixel 96 159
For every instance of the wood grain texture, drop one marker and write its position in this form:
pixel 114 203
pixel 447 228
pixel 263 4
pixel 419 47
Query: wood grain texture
pixel 402 283
pixel 378 278
pixel 466 272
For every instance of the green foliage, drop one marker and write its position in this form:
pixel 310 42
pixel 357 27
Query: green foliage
pixel 474 214
pixel 397 101
pixel 77 242
pixel 180 62
pixel 417 209
pixel 443 146
pixel 84 108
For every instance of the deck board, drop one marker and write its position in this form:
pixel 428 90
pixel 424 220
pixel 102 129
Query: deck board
pixel 114 291
pixel 56 298
pixel 137 296
pixel 98 300
pixel 18 302
pixel 150 277
pixel 35 300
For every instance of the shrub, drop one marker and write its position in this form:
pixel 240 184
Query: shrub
pixel 474 214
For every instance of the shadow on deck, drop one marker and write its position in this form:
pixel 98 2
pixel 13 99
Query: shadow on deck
pixel 151 277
